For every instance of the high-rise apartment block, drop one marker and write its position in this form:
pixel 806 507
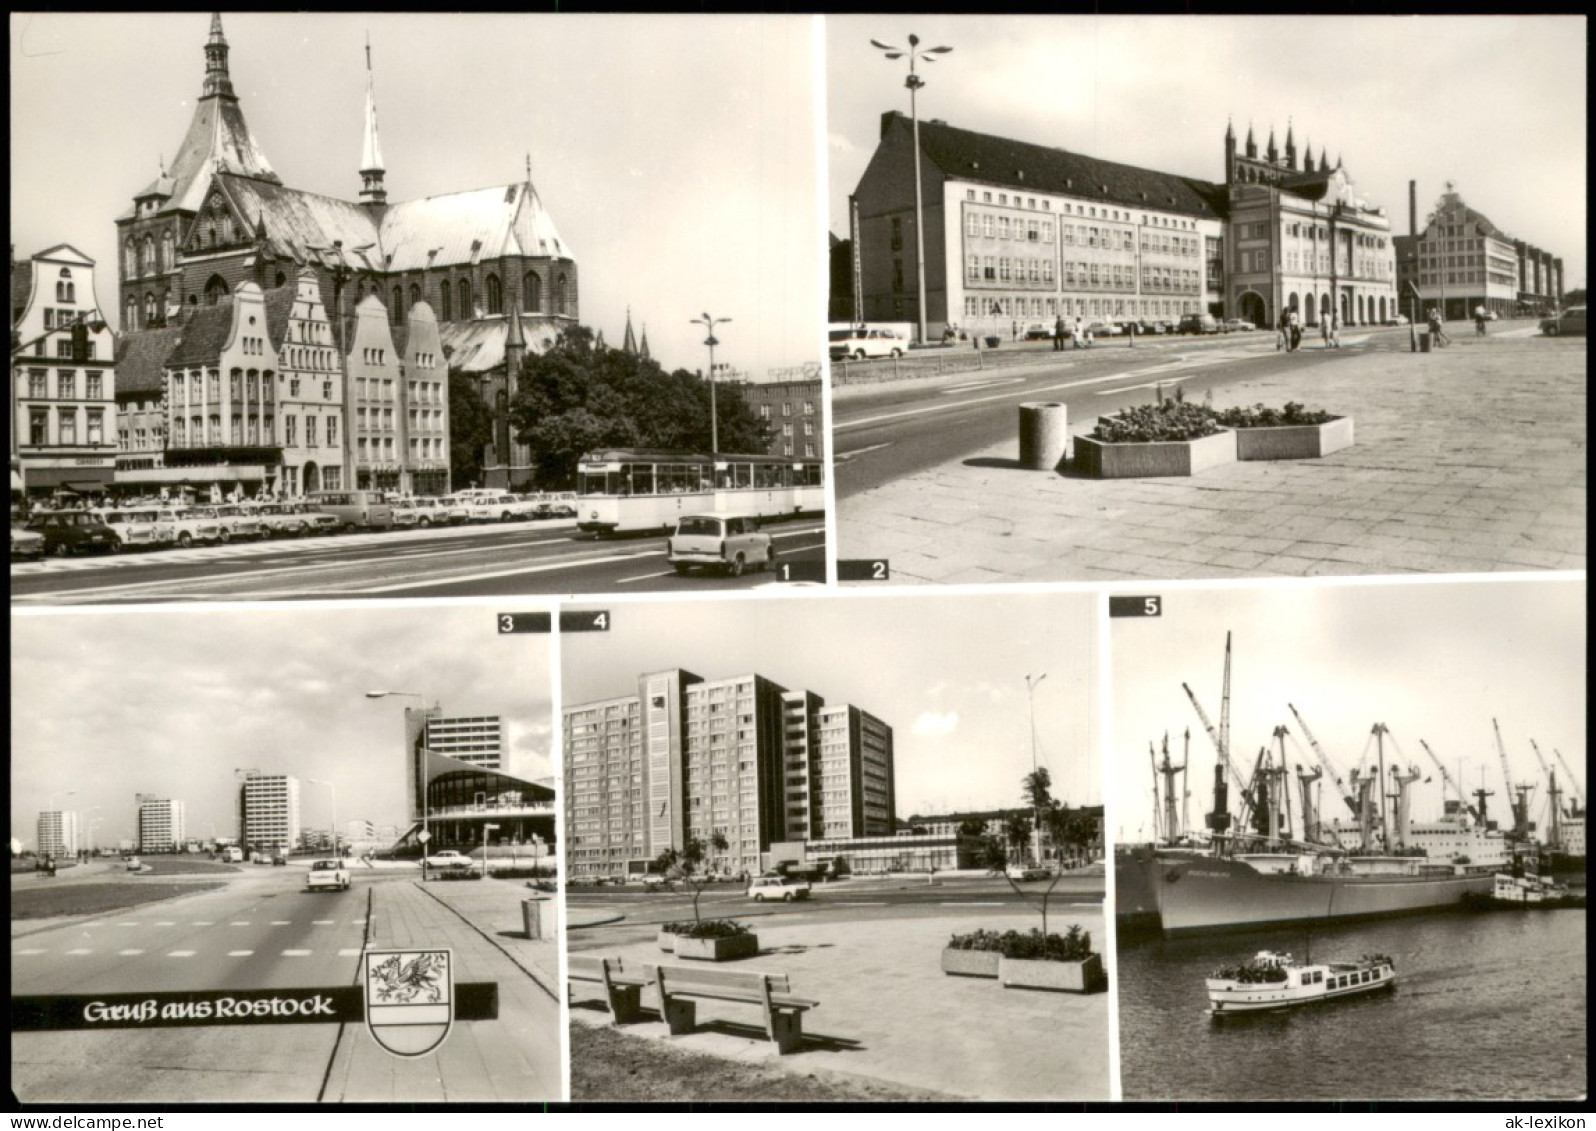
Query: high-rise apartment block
pixel 686 758
pixel 268 811
pixel 160 824
pixel 477 739
pixel 58 833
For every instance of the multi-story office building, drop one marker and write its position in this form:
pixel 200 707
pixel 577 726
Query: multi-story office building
pixel 160 824
pixel 457 787
pixel 63 377
pixel 268 811
pixel 792 411
pixel 1018 233
pixel 687 758
pixel 1461 261
pixel 58 833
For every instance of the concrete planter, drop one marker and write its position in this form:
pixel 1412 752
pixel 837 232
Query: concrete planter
pixel 970 963
pixel 1294 441
pixel 667 941
pixel 1103 460
pixel 717 950
pixel 1039 974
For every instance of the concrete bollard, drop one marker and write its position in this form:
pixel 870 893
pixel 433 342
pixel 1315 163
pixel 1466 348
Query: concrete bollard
pixel 532 918
pixel 1044 435
pixel 1424 341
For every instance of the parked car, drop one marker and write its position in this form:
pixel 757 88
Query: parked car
pixel 233 855
pixel 1104 328
pixel 1235 325
pixel 1571 321
pixel 1147 326
pixel 783 888
pixel 279 860
pixel 73 532
pixel 134 863
pixel 727 542
pixel 448 858
pixel 138 528
pixel 192 526
pixel 865 343
pixel 354 510
pixel 1025 873
pixel 293 520
pixel 1197 324
pixel 416 513
pixel 1396 320
pixel 239 522
pixel 563 504
pixel 26 543
pixel 657 883
pixel 500 506
pixel 1036 332
pixel 327 874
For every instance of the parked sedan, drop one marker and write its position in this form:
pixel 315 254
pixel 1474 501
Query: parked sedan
pixel 139 528
pixel 26 543
pixel 762 888
pixel 73 532
pixel 1571 321
pixel 1235 325
pixel 448 858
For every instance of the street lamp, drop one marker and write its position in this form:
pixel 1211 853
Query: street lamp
pixel 1036 809
pixel 421 784
pixel 485 830
pixel 333 790
pixel 709 325
pixel 914 82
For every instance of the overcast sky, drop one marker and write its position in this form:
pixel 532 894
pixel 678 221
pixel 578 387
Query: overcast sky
pixel 679 158
pixel 1494 104
pixel 1433 661
pixel 946 672
pixel 170 701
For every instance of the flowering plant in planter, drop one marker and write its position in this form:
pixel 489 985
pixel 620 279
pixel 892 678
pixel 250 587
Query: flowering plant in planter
pixel 1257 416
pixel 705 929
pixel 980 939
pixel 1074 945
pixel 1169 420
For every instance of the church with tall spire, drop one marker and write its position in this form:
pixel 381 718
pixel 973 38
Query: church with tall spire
pixel 489 264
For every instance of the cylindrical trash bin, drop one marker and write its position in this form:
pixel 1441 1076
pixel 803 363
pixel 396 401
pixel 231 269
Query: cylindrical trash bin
pixel 531 920
pixel 1044 435
pixel 1424 341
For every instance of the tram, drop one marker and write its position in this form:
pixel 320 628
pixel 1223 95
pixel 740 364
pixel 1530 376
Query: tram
pixel 623 490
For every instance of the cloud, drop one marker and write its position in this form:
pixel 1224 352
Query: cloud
pixel 840 143
pixel 931 724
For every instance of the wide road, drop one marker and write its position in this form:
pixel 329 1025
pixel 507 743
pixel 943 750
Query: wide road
pixel 628 913
pixel 262 931
pixel 517 558
pixel 885 432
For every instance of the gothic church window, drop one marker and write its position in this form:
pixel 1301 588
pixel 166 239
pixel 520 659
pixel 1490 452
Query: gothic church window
pixel 531 293
pixel 495 295
pixel 445 309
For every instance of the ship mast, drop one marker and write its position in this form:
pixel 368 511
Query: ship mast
pixel 1379 733
pixel 1447 778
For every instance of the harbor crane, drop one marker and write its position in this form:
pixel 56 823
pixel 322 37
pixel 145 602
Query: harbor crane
pixel 1220 735
pixel 1573 782
pixel 1324 760
pixel 1478 815
pixel 1554 835
pixel 1518 795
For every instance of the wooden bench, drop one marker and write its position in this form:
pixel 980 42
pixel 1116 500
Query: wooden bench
pixel 623 991
pixel 681 987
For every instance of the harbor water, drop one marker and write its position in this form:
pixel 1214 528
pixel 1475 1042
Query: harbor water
pixel 1488 1005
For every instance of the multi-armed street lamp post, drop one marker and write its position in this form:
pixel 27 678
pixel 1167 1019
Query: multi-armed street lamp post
pixel 421 777
pixel 709 325
pixel 1036 808
pixel 914 82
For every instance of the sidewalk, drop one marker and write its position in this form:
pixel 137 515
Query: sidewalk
pixel 1468 459
pixel 515 1058
pixel 888 1012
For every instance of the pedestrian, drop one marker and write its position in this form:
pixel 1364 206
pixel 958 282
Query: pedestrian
pixel 1058 333
pixel 1295 324
pixel 1479 320
pixel 1077 331
pixel 1283 330
pixel 1014 332
pixel 1324 329
pixel 1437 334
pixel 1335 331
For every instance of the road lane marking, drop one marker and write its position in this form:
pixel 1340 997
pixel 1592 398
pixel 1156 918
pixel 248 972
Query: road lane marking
pixel 861 903
pixel 360 922
pixel 840 456
pixel 243 924
pixel 201 923
pixel 30 950
pixel 129 953
pixel 518 570
pixel 350 952
pixel 81 950
pixel 282 922
pixel 951 389
pixel 166 923
pixel 180 954
pixel 296 954
pixel 644 577
pixel 239 953
pixel 322 922
pixel 127 924
pixel 962 903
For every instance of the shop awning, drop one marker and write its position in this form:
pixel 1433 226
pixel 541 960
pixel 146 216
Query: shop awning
pixel 86 480
pixel 202 475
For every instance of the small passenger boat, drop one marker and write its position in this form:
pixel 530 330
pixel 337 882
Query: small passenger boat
pixel 1276 981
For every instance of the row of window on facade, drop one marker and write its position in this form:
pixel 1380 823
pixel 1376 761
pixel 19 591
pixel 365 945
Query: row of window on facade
pixel 66 384
pixel 207 388
pixel 206 431
pixel 382 448
pixel 987 226
pixel 430 420
pixel 1033 306
pixel 66 426
pixel 1109 276
pixel 460 294
pixel 786 409
pixel 1092 211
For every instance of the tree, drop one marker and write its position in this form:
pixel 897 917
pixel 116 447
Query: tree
pixel 470 429
pixel 972 827
pixel 1038 788
pixel 1017 828
pixel 690 864
pixel 579 396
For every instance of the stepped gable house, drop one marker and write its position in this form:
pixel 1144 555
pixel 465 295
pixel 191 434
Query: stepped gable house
pixel 488 263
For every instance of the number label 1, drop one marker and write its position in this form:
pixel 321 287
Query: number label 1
pixel 1135 606
pixel 801 571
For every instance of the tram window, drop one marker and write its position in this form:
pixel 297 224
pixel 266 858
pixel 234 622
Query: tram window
pixel 640 476
pixel 745 475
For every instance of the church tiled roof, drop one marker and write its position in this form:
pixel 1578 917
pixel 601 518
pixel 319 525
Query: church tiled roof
pixel 1021 165
pixel 477 346
pixel 297 222
pixel 469 226
pixel 141 359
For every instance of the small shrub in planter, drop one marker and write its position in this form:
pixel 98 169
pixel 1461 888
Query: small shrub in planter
pixel 1258 416
pixel 1290 433
pixel 974 955
pixel 716 940
pixel 1171 420
pixel 1038 961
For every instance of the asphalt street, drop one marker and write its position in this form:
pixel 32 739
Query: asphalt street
pixel 887 431
pixel 518 558
pixel 260 932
